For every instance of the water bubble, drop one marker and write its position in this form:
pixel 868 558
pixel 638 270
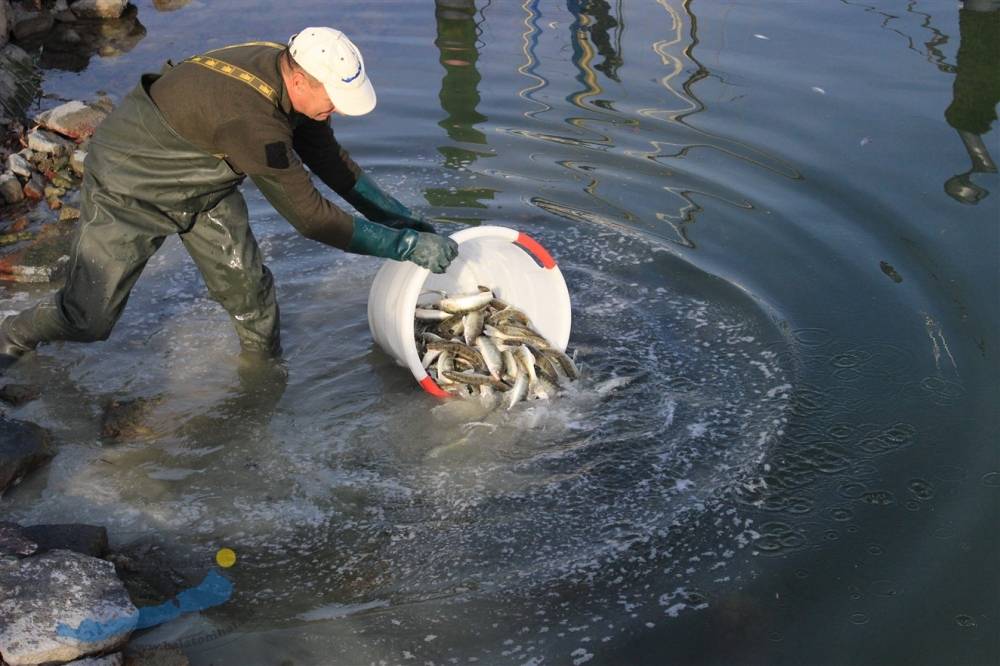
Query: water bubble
pixel 921 489
pixel 859 618
pixel 878 498
pixel 884 588
pixel 875 549
pixel 841 514
pixel 965 621
pixel 852 490
pixel 992 479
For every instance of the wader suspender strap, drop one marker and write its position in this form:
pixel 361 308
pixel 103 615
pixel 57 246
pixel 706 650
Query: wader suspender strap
pixel 234 72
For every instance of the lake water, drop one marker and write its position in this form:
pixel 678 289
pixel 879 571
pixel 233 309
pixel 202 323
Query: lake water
pixel 783 262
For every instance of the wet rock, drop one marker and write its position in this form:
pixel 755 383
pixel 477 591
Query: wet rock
pixel 76 161
pixel 101 9
pixel 14 542
pixel 116 659
pixel 60 606
pixel 19 81
pixel 89 540
pixel 73 119
pixel 18 165
pixel 161 656
pixel 148 573
pixel 10 188
pixel 34 189
pixel 29 21
pixel 49 143
pixel 24 447
pixel 18 394
pixel 170 5
pixel 41 260
pixel 62 13
pixel 127 419
pixel 15 237
pixel 68 214
pixel 6 16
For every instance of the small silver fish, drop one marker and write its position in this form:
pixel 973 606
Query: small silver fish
pixel 518 391
pixel 472 326
pixel 430 314
pixel 490 354
pixel 462 303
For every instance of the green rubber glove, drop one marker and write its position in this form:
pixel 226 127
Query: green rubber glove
pixel 427 250
pixel 379 206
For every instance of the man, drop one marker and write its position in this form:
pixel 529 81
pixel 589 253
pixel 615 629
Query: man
pixel 169 160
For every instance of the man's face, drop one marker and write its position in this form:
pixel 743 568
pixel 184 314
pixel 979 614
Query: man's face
pixel 309 97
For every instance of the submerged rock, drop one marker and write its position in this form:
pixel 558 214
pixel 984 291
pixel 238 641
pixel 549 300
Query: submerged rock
pixel 128 419
pixel 170 5
pixel 41 260
pixel 13 541
pixel 18 394
pixel 61 606
pixel 148 573
pixel 116 659
pixel 23 447
pixel 89 540
pixel 159 656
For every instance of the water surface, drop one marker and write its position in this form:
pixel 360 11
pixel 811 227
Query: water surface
pixel 783 269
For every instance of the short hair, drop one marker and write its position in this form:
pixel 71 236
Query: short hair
pixel 296 67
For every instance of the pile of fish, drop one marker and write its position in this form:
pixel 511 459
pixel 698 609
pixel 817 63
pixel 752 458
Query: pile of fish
pixel 475 345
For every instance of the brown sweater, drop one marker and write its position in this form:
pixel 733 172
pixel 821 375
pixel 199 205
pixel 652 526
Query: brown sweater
pixel 268 142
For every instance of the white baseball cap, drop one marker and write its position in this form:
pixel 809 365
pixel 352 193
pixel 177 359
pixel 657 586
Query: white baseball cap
pixel 331 58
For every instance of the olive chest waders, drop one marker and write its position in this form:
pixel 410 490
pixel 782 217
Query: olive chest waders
pixel 143 182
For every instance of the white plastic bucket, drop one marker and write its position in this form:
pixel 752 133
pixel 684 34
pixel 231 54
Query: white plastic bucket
pixel 517 268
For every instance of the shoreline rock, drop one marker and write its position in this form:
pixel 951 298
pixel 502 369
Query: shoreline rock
pixel 61 605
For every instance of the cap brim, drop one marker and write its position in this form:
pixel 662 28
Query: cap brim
pixel 355 102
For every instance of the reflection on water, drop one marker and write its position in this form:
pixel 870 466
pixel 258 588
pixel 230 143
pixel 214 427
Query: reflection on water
pixel 70 46
pixel 782 437
pixel 976 93
pixel 458 35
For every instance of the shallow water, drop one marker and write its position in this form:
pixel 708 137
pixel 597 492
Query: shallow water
pixel 783 448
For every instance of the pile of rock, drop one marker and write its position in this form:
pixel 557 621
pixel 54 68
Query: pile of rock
pixel 48 167
pixel 62 601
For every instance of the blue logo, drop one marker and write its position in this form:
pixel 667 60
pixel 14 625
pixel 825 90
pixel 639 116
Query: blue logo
pixel 356 74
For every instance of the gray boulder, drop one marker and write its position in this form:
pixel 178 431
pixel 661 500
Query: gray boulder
pixel 73 119
pixel 29 21
pixel 49 143
pixel 19 81
pixel 6 15
pixel 14 542
pixel 10 188
pixel 23 447
pixel 19 165
pixel 61 606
